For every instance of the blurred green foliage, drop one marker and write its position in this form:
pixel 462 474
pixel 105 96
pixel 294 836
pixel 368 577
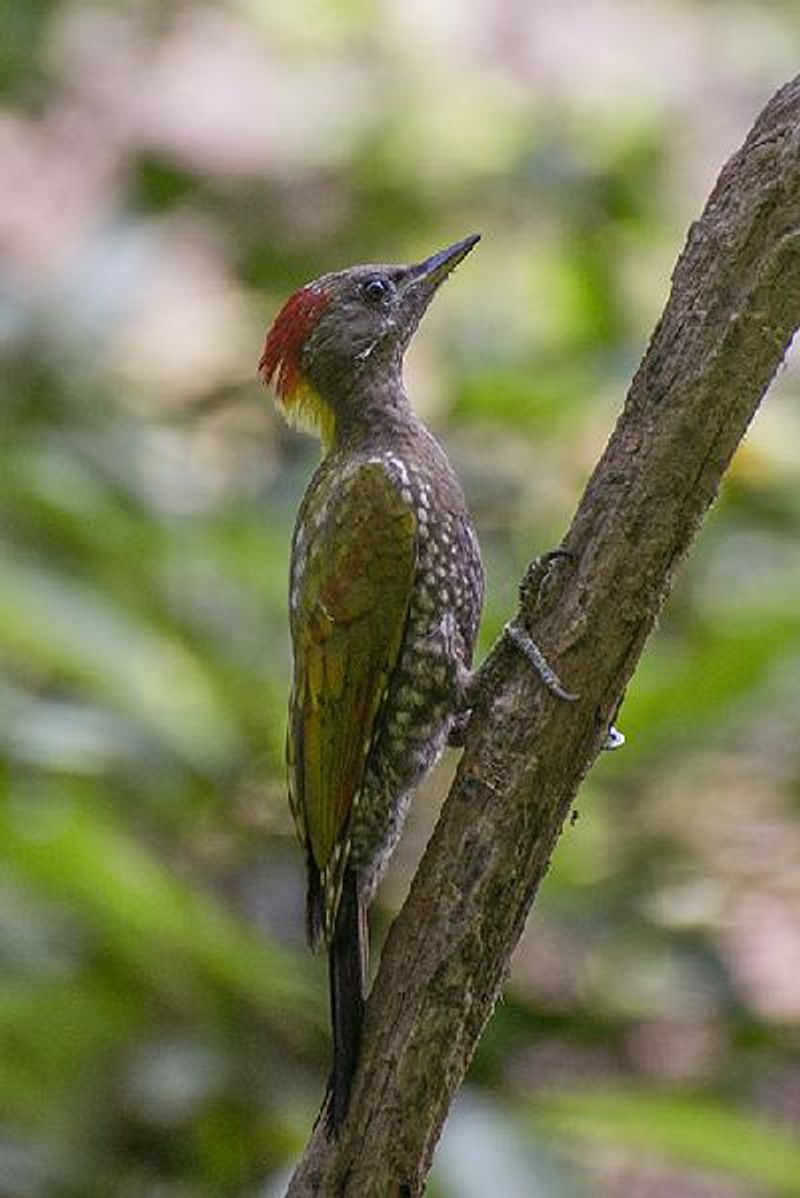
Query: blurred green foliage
pixel 689 1129
pixel 170 174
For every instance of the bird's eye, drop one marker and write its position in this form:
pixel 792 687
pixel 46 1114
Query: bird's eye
pixel 375 290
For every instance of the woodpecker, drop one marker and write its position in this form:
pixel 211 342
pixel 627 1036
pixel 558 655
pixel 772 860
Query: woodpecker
pixel 385 595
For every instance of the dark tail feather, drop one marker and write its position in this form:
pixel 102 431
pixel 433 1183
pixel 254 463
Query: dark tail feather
pixel 347 959
pixel 315 905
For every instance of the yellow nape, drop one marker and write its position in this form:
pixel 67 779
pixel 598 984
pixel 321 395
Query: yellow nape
pixel 305 409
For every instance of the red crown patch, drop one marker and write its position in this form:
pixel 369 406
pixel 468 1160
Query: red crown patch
pixel 280 360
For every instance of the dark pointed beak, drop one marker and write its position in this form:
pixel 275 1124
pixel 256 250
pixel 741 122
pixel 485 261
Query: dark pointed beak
pixel 426 276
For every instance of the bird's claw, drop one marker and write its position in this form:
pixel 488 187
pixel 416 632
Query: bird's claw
pixel 528 647
pixel 537 572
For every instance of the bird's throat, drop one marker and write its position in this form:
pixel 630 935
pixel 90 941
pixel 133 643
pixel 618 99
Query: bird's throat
pixel 304 408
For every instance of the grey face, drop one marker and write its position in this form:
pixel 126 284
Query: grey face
pixel 372 314
pixel 362 328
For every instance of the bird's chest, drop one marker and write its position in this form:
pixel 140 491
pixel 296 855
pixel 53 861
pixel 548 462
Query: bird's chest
pixel 437 644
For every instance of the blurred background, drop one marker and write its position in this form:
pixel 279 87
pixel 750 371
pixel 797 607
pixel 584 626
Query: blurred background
pixel 168 175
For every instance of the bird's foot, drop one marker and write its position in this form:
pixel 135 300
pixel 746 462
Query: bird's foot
pixel 535 576
pixel 537 572
pixel 472 684
pixel 522 640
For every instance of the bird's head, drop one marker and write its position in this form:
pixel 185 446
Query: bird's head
pixel 345 330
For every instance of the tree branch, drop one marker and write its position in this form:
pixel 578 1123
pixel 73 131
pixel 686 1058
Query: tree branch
pixel 734 307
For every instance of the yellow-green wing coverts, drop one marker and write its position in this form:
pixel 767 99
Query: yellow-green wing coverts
pixel 348 620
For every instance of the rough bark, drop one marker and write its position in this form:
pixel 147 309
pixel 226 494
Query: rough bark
pixel 733 309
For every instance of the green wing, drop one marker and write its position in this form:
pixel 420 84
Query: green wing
pixel 348 620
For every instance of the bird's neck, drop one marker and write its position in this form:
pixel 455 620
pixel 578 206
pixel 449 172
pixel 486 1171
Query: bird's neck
pixel 377 412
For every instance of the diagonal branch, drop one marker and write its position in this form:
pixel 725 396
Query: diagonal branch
pixel 734 307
